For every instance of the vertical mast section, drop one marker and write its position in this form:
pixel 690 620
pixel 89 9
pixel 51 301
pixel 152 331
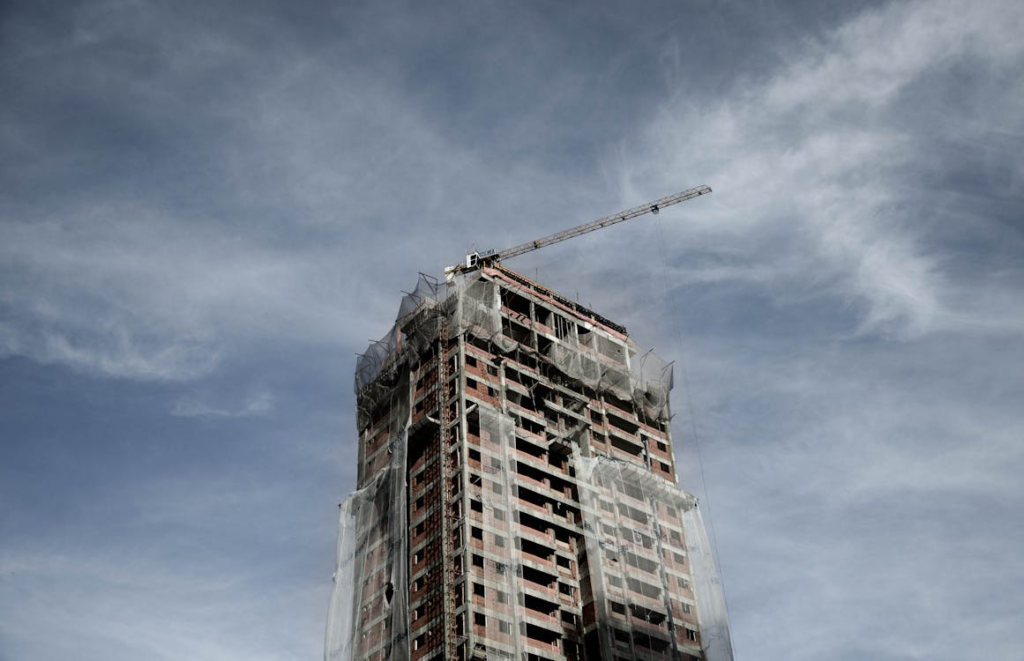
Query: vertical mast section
pixel 448 570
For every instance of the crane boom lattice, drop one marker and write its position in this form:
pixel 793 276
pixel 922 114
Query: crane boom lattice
pixel 601 223
pixel 476 259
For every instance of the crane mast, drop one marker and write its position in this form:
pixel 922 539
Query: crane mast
pixel 475 260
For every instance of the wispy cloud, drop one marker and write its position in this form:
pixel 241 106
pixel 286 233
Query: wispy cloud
pixel 850 299
pixel 135 297
pixel 144 605
pixel 309 181
pixel 222 201
pixel 258 405
pixel 817 166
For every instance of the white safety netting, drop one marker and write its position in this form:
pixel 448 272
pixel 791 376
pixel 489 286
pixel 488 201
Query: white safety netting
pixel 576 360
pixel 368 612
pixel 370 363
pixel 651 379
pixel 495 560
pixel 617 366
pixel 711 613
pixel 473 306
pixel 650 568
pixel 476 309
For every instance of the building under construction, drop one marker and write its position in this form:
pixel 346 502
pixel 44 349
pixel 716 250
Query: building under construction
pixel 517 494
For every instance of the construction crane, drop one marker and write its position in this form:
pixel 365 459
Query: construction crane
pixel 476 260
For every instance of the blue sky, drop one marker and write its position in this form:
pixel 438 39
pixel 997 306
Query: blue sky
pixel 208 208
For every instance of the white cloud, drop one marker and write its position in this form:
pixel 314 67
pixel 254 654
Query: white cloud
pixel 143 297
pixel 853 475
pixel 821 154
pixel 260 404
pixel 320 175
pixel 130 607
pixel 858 428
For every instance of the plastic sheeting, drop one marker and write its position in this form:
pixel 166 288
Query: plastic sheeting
pixel 711 611
pixel 499 575
pixel 371 362
pixel 651 572
pixel 651 379
pixel 372 560
pixel 476 308
pixel 592 357
pixel 426 294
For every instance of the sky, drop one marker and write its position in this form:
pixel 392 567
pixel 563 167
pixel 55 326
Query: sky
pixel 208 208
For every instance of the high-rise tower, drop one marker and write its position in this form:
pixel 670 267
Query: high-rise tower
pixel 517 493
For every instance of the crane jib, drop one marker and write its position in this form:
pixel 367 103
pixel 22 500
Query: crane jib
pixel 475 260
